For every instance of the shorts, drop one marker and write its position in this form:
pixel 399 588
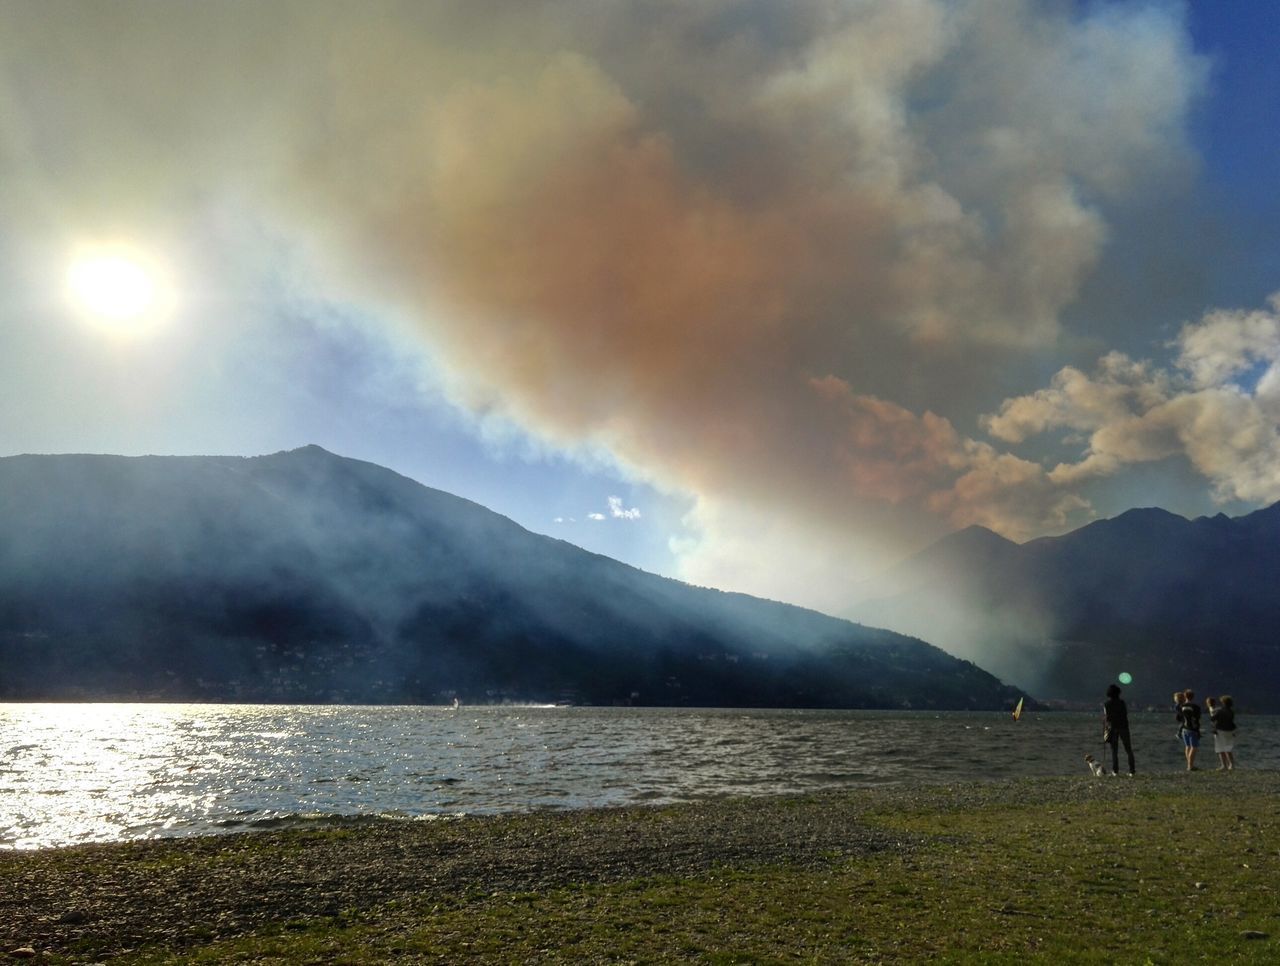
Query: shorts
pixel 1224 741
pixel 1191 739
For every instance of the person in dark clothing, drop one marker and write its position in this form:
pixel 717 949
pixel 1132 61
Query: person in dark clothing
pixel 1222 715
pixel 1189 714
pixel 1115 728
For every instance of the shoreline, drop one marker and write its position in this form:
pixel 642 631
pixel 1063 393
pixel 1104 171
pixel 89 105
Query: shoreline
pixel 122 899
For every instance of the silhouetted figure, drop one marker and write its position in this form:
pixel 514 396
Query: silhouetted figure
pixel 1115 728
pixel 1222 716
pixel 1189 714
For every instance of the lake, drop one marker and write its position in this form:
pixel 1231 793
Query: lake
pixel 109 772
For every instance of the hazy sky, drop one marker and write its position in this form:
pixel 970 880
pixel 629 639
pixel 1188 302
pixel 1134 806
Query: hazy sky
pixel 763 295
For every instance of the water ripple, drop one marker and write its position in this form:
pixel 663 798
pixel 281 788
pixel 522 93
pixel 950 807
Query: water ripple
pixel 101 772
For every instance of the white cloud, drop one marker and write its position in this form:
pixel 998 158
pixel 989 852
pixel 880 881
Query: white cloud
pixel 1200 408
pixel 618 513
pixel 595 516
pixel 1226 343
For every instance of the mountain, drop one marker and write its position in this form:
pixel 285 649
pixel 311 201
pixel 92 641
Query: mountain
pixel 304 576
pixel 1174 602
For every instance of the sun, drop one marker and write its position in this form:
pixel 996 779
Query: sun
pixel 118 287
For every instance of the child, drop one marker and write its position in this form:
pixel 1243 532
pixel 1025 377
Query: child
pixel 1189 715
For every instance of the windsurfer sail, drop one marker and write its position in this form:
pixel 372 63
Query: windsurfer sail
pixel 1017 709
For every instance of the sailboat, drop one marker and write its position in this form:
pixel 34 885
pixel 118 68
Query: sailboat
pixel 1017 709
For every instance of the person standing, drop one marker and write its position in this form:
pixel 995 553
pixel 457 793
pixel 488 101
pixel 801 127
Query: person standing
pixel 1115 728
pixel 1189 714
pixel 1222 716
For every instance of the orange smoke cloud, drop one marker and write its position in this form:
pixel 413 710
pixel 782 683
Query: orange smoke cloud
pixel 763 256
pixel 732 306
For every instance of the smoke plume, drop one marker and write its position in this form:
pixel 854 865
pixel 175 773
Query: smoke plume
pixel 773 256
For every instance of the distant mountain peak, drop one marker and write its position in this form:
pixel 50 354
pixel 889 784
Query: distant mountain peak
pixel 1167 599
pixel 310 449
pixel 1268 515
pixel 977 535
pixel 1148 513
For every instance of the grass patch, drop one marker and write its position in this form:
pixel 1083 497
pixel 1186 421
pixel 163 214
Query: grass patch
pixel 1181 871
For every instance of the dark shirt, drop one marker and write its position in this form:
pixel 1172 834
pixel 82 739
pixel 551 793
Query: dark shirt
pixel 1190 715
pixel 1115 714
pixel 1223 718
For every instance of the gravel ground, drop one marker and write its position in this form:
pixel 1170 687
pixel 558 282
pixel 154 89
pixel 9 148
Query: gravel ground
pixel 104 900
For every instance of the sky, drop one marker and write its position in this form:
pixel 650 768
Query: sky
pixel 761 296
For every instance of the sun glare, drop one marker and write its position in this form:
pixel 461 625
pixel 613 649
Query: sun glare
pixel 117 287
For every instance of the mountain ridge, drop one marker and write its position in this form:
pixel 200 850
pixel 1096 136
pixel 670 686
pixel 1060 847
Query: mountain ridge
pixel 1175 602
pixel 302 575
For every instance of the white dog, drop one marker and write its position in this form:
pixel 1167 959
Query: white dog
pixel 1095 766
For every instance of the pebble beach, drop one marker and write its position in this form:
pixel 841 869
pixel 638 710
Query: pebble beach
pixel 95 902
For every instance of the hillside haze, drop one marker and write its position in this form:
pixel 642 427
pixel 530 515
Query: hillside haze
pixel 1174 602
pixel 304 576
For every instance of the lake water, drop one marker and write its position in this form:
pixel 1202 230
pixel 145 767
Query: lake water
pixel 108 772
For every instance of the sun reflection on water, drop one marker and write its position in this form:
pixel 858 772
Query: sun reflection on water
pixel 94 761
pixel 72 773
